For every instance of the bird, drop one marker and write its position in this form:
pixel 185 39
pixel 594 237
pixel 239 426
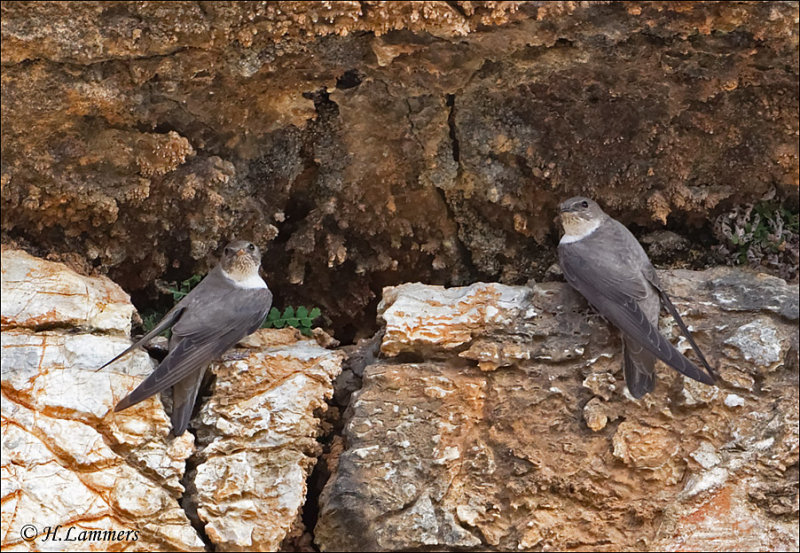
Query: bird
pixel 605 263
pixel 230 303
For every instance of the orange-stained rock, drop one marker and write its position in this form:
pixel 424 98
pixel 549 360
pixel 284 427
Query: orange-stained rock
pixel 41 294
pixel 257 439
pixel 547 450
pixel 70 463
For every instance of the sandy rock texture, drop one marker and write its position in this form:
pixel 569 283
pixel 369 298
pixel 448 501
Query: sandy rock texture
pixel 69 461
pixel 364 144
pixel 497 419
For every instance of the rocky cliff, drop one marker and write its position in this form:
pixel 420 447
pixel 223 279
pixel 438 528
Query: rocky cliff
pixel 484 417
pixel 498 419
pixel 72 466
pixel 365 144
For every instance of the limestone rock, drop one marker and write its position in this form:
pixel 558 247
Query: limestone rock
pixel 425 318
pixel 41 294
pixel 392 141
pixel 257 440
pixel 71 466
pixel 547 450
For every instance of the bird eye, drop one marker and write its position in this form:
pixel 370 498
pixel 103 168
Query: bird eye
pixel 228 251
pixel 584 204
pixel 251 247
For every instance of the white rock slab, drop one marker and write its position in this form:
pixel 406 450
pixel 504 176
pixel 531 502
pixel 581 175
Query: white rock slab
pixel 420 316
pixel 258 439
pixel 42 294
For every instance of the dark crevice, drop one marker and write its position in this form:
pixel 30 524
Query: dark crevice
pixel 456 7
pixel 349 79
pixel 464 254
pixel 315 483
pixel 333 422
pixel 188 501
pixel 450 102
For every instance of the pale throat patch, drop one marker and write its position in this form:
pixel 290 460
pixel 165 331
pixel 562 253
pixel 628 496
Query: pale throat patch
pixel 576 229
pixel 245 280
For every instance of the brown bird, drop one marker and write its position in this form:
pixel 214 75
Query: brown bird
pixel 603 261
pixel 230 303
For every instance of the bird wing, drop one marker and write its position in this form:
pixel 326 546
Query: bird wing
pixel 223 307
pixel 192 300
pixel 599 270
pixel 173 315
pixel 212 322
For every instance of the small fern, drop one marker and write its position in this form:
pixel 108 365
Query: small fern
pixel 301 319
pixel 185 287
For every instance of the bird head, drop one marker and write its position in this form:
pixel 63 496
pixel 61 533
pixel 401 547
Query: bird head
pixel 241 259
pixel 578 214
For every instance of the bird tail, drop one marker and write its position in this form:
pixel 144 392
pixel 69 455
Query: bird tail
pixel 638 365
pixel 184 394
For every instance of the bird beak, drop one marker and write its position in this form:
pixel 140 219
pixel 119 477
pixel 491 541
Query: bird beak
pixel 240 253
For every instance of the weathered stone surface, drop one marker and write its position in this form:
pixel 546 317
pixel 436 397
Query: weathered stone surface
pixel 68 460
pixel 257 440
pixel 546 449
pixel 420 318
pixel 366 143
pixel 40 294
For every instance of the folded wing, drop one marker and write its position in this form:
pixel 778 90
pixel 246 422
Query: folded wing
pixel 211 324
pixel 614 293
pixel 667 302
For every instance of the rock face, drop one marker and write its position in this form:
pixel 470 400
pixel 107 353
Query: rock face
pixel 69 466
pixel 72 464
pixel 367 143
pixel 257 440
pixel 498 419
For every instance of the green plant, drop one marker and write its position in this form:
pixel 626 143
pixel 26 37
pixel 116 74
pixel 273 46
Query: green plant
pixel 185 287
pixel 150 319
pixel 302 318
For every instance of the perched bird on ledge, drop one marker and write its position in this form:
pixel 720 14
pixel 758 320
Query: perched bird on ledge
pixel 603 261
pixel 230 303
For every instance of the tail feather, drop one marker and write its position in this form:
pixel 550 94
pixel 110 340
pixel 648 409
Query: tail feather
pixel 685 330
pixel 184 394
pixel 638 365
